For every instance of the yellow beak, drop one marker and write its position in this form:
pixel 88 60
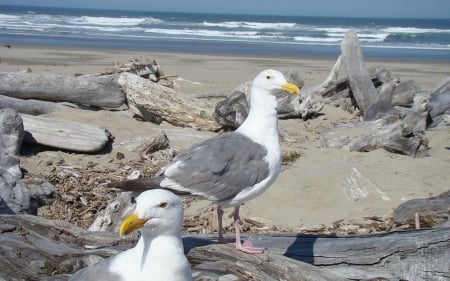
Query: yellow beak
pixel 291 88
pixel 131 224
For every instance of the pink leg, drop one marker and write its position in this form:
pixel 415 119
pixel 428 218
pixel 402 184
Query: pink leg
pixel 220 239
pixel 247 247
pixel 219 217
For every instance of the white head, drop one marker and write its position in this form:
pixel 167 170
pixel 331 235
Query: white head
pixel 271 81
pixel 157 212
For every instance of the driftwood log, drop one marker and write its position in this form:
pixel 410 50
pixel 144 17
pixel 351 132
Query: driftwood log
pixel 35 248
pixel 156 103
pixel 30 106
pixel 424 212
pixel 388 133
pixel 38 107
pixel 62 134
pixel 55 87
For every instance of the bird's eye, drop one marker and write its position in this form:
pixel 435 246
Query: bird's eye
pixel 164 204
pixel 133 200
pixel 268 77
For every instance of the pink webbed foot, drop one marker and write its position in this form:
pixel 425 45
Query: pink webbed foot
pixel 248 248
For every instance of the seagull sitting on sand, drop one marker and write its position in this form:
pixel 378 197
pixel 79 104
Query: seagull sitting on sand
pixel 231 168
pixel 159 253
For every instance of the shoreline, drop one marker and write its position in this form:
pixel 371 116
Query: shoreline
pixel 222 70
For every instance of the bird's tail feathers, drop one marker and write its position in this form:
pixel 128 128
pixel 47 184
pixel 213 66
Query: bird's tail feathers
pixel 143 184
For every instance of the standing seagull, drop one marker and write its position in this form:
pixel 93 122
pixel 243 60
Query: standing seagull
pixel 159 253
pixel 234 167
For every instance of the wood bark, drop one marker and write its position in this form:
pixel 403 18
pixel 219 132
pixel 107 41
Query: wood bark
pixel 156 103
pixel 66 135
pixel 35 248
pixel 55 87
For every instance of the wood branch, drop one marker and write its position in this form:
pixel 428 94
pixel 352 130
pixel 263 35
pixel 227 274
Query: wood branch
pixel 361 85
pixel 66 135
pixel 55 87
pixel 334 73
pixel 35 248
pixel 156 103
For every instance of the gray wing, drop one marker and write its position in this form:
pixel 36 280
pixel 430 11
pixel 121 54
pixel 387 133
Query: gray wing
pixel 96 272
pixel 219 168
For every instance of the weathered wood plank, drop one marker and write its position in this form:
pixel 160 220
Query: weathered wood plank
pixel 410 255
pixel 66 135
pixel 55 87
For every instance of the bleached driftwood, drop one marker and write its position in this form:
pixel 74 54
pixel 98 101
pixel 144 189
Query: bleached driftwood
pixel 384 126
pixel 56 249
pixel 361 85
pixel 156 103
pixel 30 106
pixel 388 133
pixel 55 87
pixel 331 82
pixel 11 130
pixel 18 196
pixel 66 135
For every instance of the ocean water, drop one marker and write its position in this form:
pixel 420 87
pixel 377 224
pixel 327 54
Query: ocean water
pixel 265 35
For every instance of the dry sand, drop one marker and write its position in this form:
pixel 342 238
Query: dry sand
pixel 309 192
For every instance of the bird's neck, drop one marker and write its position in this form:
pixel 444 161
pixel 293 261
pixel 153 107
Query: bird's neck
pixel 262 120
pixel 161 248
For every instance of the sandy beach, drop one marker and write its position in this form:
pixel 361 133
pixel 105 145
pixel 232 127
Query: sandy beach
pixel 310 191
